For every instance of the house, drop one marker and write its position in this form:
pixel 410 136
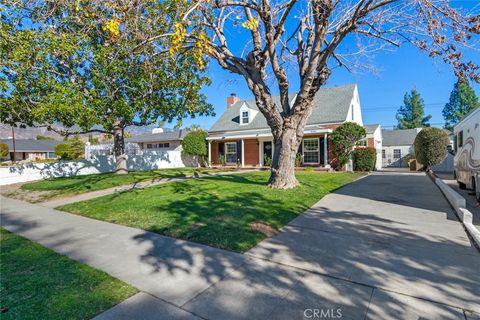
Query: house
pixel 159 140
pixel 29 149
pixel 397 145
pixel 375 140
pixel 242 136
pixel 156 142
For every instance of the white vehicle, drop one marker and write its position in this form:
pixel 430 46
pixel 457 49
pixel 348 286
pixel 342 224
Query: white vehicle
pixel 467 152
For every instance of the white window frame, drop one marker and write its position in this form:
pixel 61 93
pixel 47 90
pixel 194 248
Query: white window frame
pixel 318 150
pixel 227 153
pixel 384 154
pixel 242 118
pixel 400 153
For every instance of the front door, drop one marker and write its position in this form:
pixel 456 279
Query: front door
pixel 267 153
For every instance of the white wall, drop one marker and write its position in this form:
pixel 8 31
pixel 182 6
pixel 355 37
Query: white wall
pixel 355 110
pixel 148 161
pixel 377 141
pixel 389 161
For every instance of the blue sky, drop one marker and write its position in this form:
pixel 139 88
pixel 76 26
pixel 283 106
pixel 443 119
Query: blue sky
pixel 381 94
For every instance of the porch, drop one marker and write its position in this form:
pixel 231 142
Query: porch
pixel 257 152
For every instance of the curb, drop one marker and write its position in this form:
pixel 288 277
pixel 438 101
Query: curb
pixel 459 204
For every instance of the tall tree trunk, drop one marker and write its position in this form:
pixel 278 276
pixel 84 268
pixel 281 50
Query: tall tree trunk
pixel 283 163
pixel 119 149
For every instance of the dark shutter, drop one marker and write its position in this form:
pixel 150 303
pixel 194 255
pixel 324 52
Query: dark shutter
pixel 239 151
pixel 221 148
pixel 322 153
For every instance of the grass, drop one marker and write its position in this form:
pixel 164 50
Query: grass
pixel 37 283
pixel 67 186
pixel 231 212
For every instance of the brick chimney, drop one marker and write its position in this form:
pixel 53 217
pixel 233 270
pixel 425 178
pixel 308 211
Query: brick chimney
pixel 232 99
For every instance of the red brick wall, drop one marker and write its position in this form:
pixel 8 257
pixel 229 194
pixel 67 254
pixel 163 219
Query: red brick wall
pixel 370 143
pixel 251 152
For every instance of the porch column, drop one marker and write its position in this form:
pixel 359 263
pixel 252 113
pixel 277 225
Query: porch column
pixel 325 151
pixel 243 153
pixel 209 153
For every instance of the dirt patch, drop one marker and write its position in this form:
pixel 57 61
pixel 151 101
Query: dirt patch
pixel 15 191
pixel 224 217
pixel 197 225
pixel 263 228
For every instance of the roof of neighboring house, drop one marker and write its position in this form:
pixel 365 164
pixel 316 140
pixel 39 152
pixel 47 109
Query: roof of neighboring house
pixel 331 105
pixel 30 145
pixel 161 136
pixel 400 137
pixel 371 128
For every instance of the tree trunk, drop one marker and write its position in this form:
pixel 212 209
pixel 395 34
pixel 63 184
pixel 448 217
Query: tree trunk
pixel 119 149
pixel 283 163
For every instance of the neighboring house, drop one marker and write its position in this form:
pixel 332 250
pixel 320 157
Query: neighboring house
pixel 397 145
pixel 156 142
pixel 242 136
pixel 160 140
pixel 374 140
pixel 29 149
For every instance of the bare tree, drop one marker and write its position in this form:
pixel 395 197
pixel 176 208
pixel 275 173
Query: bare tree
pixel 312 36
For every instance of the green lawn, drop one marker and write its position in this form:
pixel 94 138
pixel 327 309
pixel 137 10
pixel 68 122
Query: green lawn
pixel 67 186
pixel 37 283
pixel 217 211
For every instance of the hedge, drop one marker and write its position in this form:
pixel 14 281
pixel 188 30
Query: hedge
pixel 365 159
pixel 431 146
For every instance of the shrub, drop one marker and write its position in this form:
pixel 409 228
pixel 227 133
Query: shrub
pixel 71 150
pixel 44 138
pixel 365 159
pixel 431 146
pixel 63 150
pixel 344 138
pixel 195 143
pixel 4 150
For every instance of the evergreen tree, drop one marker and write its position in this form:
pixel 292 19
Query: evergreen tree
pixel 411 114
pixel 462 100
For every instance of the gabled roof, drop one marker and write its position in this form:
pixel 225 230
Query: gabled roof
pixel 371 128
pixel 161 136
pixel 30 145
pixel 331 105
pixel 403 137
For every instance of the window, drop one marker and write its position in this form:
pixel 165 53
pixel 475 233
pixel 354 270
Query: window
pixel 455 143
pixel 311 150
pixel 158 145
pixel 245 117
pixel 231 152
pixel 460 139
pixel 52 155
pixel 363 143
pixel 383 154
pixel 397 153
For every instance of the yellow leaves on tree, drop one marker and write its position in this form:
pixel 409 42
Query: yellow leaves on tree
pixel 178 37
pixel 251 24
pixel 112 26
pixel 201 46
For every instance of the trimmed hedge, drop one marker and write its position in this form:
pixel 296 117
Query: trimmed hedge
pixel 431 146
pixel 4 150
pixel 365 159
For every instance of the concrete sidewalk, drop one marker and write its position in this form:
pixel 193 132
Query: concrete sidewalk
pixel 385 247
pixel 127 187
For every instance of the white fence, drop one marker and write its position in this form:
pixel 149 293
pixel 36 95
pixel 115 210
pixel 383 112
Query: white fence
pixel 148 161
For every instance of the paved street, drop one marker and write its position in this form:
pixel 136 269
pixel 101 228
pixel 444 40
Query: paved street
pixel 385 247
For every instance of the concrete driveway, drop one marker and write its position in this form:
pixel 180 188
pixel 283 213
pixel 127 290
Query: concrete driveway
pixel 387 246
